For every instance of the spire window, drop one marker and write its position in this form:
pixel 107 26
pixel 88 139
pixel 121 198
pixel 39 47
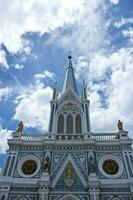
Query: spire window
pixel 78 124
pixel 60 128
pixel 69 125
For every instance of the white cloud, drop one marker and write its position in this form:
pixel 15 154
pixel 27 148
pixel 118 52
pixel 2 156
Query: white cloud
pixel 123 21
pixel 4 135
pixel 116 87
pixel 88 33
pixel 3 61
pixel 18 17
pixel 19 66
pixel 5 93
pixel 89 37
pixel 44 75
pixel 114 2
pixel 128 34
pixel 33 106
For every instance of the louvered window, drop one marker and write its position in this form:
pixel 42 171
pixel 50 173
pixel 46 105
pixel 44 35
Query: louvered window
pixel 60 128
pixel 69 125
pixel 78 124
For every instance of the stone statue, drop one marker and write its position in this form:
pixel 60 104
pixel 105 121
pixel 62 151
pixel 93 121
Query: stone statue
pixel 20 127
pixel 47 165
pixel 69 171
pixel 120 126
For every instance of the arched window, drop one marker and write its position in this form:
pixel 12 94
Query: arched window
pixel 78 124
pixel 69 125
pixel 60 128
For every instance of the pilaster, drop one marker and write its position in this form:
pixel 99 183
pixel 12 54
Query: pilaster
pixel 44 186
pixel 93 187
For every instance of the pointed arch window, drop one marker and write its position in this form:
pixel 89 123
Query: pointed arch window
pixel 60 128
pixel 69 125
pixel 78 124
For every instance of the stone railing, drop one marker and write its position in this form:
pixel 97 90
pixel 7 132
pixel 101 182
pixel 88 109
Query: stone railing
pixel 69 137
pixel 85 136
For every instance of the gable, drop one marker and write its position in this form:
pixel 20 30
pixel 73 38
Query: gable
pixel 69 95
pixel 61 177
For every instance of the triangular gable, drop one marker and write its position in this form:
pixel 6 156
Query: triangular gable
pixel 69 95
pixel 60 172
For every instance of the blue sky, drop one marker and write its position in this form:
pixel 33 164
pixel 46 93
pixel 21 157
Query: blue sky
pixel 35 38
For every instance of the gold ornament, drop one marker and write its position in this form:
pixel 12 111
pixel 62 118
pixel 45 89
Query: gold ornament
pixel 110 167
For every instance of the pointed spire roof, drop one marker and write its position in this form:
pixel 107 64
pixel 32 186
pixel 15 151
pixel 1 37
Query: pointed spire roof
pixel 69 81
pixel 84 91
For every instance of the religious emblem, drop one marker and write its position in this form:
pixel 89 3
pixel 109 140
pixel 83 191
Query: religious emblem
pixel 69 176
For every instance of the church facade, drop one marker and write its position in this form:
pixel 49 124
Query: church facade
pixel 69 162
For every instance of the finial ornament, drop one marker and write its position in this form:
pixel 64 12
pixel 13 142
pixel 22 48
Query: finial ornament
pixel 120 126
pixel 20 127
pixel 69 55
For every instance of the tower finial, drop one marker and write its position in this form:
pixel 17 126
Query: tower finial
pixel 69 55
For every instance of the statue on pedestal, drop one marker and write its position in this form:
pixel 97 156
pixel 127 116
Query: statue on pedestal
pixel 120 126
pixel 69 171
pixel 20 127
pixel 47 165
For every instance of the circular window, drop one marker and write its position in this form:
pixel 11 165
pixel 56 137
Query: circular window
pixel 110 167
pixel 29 167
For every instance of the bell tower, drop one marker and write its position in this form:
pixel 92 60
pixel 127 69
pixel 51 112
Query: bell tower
pixel 69 112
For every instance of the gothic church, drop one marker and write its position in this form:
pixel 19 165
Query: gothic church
pixel 69 162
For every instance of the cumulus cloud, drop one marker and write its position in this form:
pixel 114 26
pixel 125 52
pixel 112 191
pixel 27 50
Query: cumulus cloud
pixel 3 61
pixel 128 34
pixel 5 93
pixel 18 17
pixel 110 82
pixel 44 75
pixel 19 66
pixel 114 2
pixel 33 106
pixel 4 134
pixel 123 21
pixel 88 33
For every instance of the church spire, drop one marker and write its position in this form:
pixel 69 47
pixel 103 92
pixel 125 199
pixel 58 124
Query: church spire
pixel 69 81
